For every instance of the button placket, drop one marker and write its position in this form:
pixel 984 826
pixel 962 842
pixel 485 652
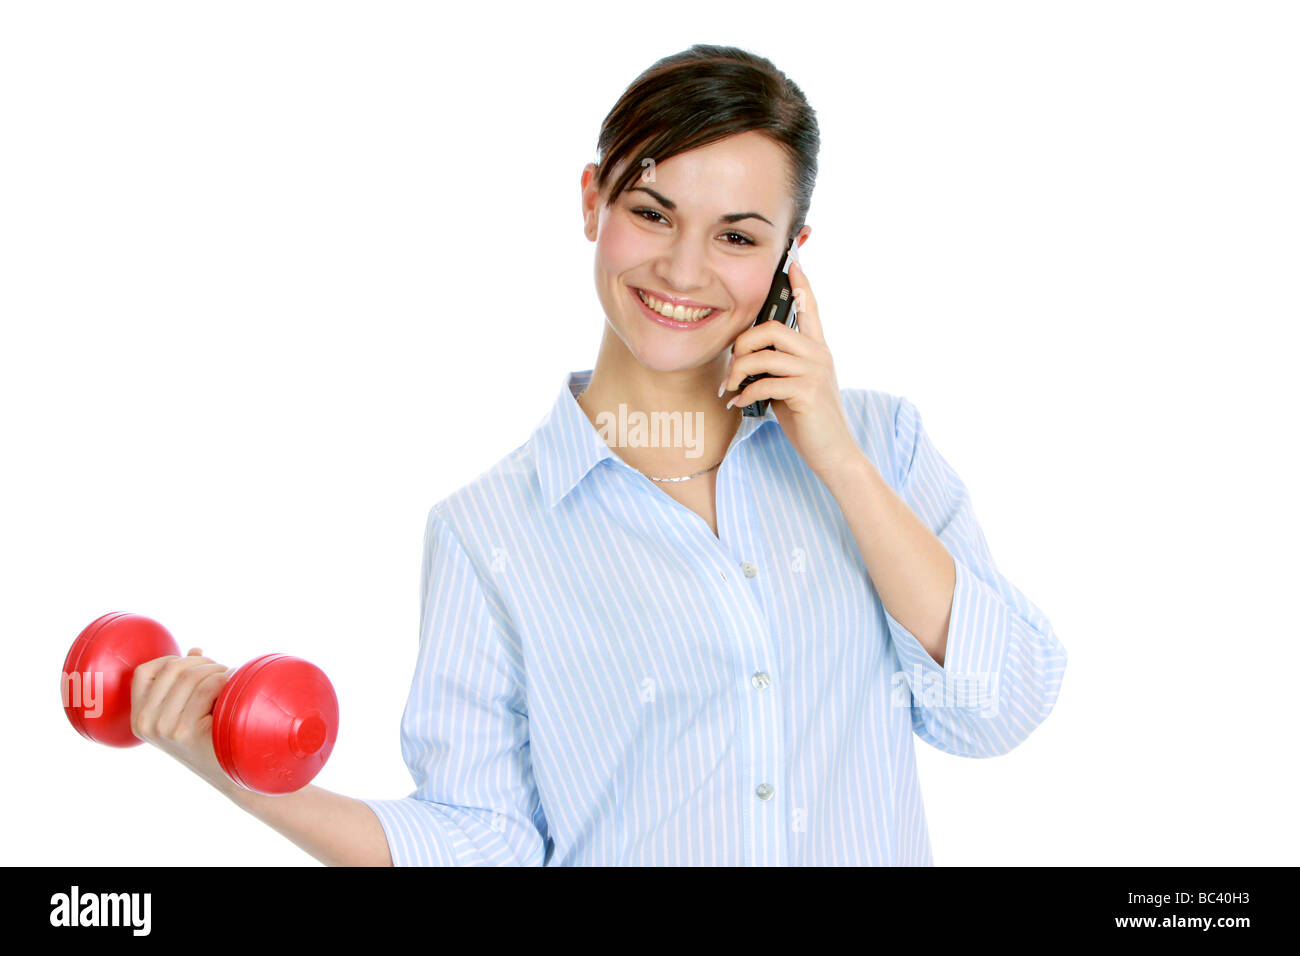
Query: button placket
pixel 762 721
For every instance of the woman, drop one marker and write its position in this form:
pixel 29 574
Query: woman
pixel 708 643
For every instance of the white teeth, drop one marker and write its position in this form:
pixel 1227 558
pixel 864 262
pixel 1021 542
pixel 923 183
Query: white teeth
pixel 678 313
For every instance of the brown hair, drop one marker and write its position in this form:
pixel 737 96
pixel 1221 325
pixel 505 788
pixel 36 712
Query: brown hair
pixel 702 95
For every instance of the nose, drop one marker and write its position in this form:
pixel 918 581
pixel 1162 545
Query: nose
pixel 684 269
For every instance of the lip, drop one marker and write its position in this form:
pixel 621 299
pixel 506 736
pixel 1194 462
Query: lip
pixel 672 323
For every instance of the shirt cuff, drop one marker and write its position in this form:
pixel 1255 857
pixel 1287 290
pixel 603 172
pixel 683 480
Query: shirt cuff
pixel 415 833
pixel 978 630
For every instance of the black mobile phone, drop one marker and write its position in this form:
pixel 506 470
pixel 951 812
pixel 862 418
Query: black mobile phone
pixel 779 307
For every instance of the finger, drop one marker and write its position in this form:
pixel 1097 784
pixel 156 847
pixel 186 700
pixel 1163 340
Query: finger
pixel 774 333
pixel 810 322
pixel 168 715
pixel 776 387
pixel 202 699
pixel 765 360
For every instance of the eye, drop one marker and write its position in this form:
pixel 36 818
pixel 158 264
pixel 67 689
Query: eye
pixel 643 212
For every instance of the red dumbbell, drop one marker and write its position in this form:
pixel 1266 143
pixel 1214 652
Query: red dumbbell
pixel 273 724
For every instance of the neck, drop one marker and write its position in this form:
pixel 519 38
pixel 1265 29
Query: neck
pixel 696 435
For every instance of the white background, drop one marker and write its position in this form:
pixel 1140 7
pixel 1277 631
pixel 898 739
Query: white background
pixel 269 280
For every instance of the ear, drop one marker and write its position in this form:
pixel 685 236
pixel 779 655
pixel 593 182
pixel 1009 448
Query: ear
pixel 590 202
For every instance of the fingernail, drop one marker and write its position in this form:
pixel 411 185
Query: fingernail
pixel 722 388
pixel 733 398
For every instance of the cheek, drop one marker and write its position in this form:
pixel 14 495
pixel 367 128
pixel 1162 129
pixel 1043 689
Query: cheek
pixel 748 282
pixel 621 248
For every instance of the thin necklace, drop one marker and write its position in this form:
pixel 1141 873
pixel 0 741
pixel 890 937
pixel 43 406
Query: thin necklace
pixel 683 477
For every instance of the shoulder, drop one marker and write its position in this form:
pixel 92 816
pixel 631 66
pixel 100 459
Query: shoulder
pixel 492 506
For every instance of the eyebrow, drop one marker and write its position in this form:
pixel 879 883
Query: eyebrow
pixel 728 218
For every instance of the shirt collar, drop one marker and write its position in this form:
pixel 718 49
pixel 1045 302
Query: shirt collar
pixel 567 445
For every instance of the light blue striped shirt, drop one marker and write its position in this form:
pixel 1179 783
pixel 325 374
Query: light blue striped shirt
pixel 602 681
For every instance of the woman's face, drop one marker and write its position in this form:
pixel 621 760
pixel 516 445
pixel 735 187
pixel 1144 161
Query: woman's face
pixel 676 236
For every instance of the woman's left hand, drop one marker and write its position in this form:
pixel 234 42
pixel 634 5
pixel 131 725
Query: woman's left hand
pixel 802 383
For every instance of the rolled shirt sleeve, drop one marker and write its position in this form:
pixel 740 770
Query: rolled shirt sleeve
pixel 464 731
pixel 1003 663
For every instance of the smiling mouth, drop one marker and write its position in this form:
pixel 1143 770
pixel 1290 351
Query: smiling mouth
pixel 675 314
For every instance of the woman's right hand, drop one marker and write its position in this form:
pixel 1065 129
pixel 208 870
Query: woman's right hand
pixel 171 708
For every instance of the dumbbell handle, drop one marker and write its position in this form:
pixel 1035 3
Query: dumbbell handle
pixel 273 724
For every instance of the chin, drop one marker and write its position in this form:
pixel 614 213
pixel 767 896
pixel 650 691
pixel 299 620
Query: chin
pixel 657 357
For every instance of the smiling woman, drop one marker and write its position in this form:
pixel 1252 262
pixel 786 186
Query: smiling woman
pixel 627 658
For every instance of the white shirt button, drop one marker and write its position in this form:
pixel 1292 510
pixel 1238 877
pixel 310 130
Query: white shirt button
pixel 764 791
pixel 760 680
pixel 749 569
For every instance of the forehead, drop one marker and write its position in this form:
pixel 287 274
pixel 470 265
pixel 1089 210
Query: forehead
pixel 747 168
